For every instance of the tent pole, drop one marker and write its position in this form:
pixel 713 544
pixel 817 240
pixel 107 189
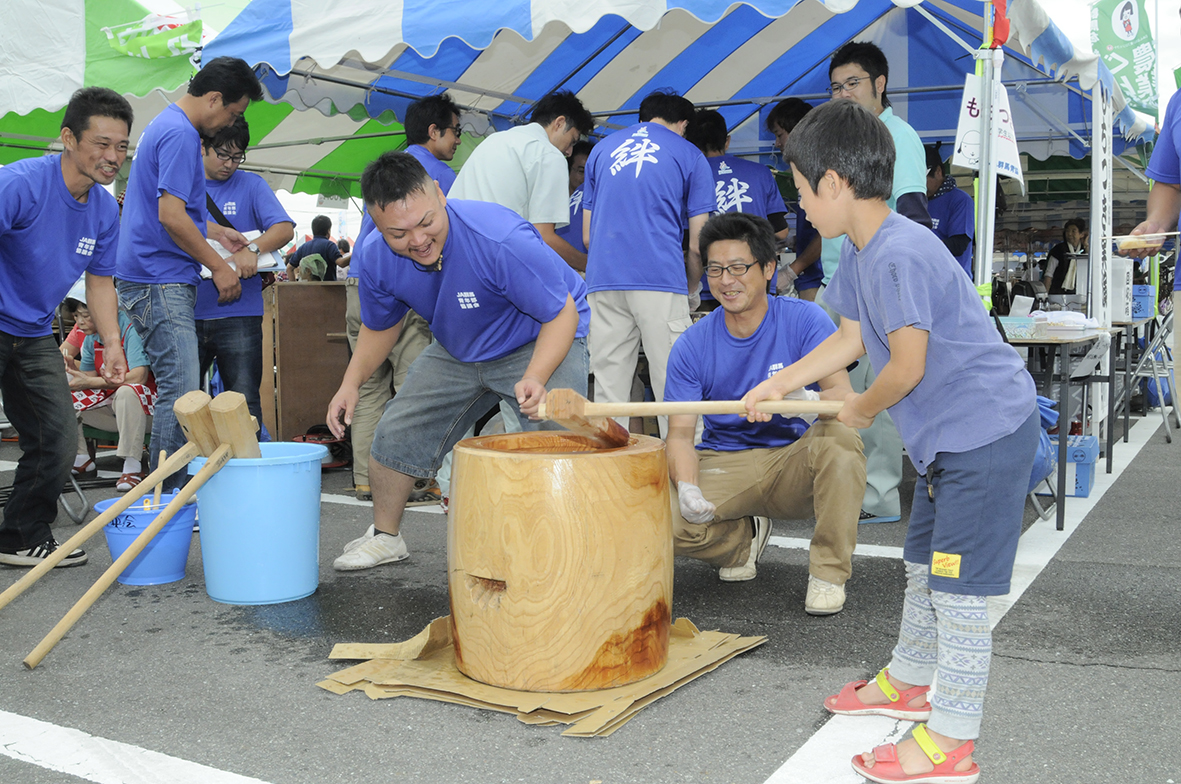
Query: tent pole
pixel 990 61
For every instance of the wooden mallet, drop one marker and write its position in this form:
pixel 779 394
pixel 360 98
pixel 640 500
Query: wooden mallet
pixel 593 420
pixel 192 415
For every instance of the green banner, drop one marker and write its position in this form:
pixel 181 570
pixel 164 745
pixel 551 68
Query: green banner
pixel 156 37
pixel 1121 36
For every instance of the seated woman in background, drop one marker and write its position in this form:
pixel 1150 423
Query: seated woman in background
pixel 126 409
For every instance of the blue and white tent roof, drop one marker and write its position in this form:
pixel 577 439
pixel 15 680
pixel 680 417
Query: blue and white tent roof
pixel 495 58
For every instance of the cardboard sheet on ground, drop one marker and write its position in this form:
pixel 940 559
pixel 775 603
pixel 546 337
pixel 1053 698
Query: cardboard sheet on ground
pixel 424 667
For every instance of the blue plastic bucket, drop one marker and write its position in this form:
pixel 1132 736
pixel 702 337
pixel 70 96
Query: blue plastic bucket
pixel 260 525
pixel 164 558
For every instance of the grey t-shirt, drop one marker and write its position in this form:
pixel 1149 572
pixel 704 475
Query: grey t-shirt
pixel 976 389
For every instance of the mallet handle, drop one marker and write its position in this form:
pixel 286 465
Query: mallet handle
pixel 706 407
pixel 165 470
pixel 211 467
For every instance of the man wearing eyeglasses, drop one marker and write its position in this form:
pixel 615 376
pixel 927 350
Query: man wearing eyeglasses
pixel 859 71
pixel 230 333
pixel 432 136
pixel 746 472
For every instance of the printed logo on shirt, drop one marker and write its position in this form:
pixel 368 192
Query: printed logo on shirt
pixel 934 223
pixel 575 201
pixel 229 208
pixel 773 369
pixel 732 195
pixel 85 246
pixel 945 565
pixel 467 299
pixel 724 169
pixel 636 150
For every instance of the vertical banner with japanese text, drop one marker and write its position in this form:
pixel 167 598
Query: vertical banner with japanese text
pixel 1121 36
pixel 1006 157
pixel 1099 301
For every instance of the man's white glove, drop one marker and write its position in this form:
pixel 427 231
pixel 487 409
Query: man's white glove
pixel 694 507
pixel 803 393
pixel 695 297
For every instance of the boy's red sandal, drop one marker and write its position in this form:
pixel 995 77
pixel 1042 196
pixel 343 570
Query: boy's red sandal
pixel 847 703
pixel 887 770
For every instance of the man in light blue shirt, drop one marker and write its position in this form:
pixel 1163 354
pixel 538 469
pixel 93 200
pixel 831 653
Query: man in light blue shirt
pixel 859 72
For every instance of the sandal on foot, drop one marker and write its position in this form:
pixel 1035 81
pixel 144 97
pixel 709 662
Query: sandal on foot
pixel 128 481
pixel 87 469
pixel 847 703
pixel 887 770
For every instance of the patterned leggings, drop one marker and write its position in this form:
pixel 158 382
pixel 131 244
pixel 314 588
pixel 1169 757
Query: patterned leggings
pixel 949 634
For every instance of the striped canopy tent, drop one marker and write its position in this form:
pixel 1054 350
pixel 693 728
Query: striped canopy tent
pixel 371 58
pixel 50 49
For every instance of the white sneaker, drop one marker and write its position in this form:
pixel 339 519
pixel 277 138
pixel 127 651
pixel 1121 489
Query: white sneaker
pixel 360 540
pixel 824 598
pixel 372 552
pixel 758 543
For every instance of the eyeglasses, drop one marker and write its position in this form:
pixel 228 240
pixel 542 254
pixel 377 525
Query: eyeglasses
pixel 455 129
pixel 225 156
pixel 735 270
pixel 849 85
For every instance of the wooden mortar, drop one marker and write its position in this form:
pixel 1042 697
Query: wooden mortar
pixel 560 561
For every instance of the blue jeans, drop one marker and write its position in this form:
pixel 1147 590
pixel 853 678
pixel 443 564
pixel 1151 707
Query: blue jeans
pixel 236 344
pixel 163 316
pixel 38 404
pixel 443 398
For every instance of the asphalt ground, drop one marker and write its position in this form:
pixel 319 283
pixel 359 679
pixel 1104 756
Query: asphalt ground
pixel 1083 683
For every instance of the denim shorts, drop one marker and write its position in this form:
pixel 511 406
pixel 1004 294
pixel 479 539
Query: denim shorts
pixel 444 397
pixel 966 527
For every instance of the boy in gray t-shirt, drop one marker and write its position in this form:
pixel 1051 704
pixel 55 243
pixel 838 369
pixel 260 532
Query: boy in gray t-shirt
pixel 966 410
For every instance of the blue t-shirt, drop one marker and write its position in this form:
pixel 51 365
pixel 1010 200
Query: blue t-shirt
pixel 439 171
pixel 47 240
pixel 499 283
pixel 249 204
pixel 813 276
pixel 954 213
pixel 1165 165
pixel 743 186
pixel 709 363
pixel 367 227
pixel 976 389
pixel 327 250
pixel 167 160
pixel 572 232
pixel 133 347
pixel 639 183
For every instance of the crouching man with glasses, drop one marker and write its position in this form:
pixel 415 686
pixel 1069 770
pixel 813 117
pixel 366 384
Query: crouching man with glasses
pixel 743 472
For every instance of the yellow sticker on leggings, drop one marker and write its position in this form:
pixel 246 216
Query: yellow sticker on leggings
pixel 945 565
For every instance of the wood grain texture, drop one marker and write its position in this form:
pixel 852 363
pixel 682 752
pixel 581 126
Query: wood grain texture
pixel 568 409
pixel 192 412
pixel 231 419
pixel 559 561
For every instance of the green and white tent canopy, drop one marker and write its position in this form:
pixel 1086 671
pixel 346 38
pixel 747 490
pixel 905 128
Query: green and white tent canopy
pixel 50 48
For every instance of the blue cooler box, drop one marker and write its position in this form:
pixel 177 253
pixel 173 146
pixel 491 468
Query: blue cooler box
pixel 1143 302
pixel 1082 454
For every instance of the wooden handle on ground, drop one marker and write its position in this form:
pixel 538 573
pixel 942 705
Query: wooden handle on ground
pixel 165 470
pixel 231 420
pixel 211 467
pixel 192 412
pixel 702 407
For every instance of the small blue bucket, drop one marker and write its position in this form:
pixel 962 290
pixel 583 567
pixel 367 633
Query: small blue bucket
pixel 164 558
pixel 260 525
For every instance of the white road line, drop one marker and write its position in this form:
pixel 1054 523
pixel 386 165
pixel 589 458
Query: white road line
pixel 873 550
pixel 348 500
pixel 824 758
pixel 98 759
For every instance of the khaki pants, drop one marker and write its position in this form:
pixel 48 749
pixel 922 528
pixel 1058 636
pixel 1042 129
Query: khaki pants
pixel 124 415
pixel 823 474
pixel 620 322
pixel 389 376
